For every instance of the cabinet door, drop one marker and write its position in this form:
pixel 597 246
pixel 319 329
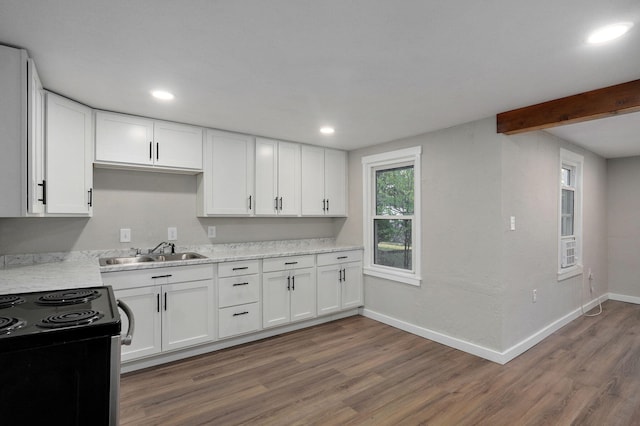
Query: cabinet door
pixel 124 139
pixel 187 314
pixel 177 145
pixel 229 169
pixel 329 289
pixel 69 154
pixel 352 295
pixel 289 178
pixel 312 195
pixel 275 299
pixel 303 294
pixel 266 176
pixel 335 182
pixel 35 138
pixel 145 305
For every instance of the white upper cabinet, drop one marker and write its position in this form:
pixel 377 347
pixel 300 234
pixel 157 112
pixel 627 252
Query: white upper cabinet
pixel 68 160
pixel 277 178
pixel 129 141
pixel 35 140
pixel 226 185
pixel 324 181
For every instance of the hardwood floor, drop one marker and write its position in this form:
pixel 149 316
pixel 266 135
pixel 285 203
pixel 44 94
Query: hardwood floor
pixel 358 371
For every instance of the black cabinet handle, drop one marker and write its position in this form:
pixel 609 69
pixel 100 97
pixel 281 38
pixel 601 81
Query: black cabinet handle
pixel 158 302
pixel 90 197
pixel 157 150
pixel 343 257
pixel 289 283
pixel 327 205
pixel 293 283
pixel 276 203
pixel 324 205
pixel 241 313
pixel 240 268
pixel 237 284
pixel 340 276
pixel 165 301
pixel 290 263
pixel 163 276
pixel 44 192
pixel 249 202
pixel 280 203
pixel 344 275
pixel 150 150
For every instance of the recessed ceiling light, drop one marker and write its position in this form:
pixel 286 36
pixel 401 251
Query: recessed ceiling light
pixel 327 130
pixel 162 94
pixel 610 32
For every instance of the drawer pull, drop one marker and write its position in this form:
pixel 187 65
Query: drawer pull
pixel 237 284
pixel 163 276
pixel 240 313
pixel 290 263
pixel 239 268
pixel 343 257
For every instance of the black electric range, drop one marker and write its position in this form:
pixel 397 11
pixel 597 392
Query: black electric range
pixel 60 357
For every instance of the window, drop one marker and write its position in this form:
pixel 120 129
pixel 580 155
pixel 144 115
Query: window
pixel 570 233
pixel 392 215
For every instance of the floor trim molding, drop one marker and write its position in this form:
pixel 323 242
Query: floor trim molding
pixel 481 351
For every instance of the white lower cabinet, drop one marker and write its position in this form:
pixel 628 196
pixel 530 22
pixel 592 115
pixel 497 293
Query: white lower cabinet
pixel 173 308
pixel 288 294
pixel 238 298
pixel 339 281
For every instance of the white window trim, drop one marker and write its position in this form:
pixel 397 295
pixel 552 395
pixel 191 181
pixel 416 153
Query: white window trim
pixel 369 164
pixel 577 162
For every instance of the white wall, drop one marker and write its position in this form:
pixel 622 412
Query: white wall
pixel 147 203
pixel 477 274
pixel 623 191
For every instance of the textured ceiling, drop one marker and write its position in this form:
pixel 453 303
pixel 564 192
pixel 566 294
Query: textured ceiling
pixel 377 70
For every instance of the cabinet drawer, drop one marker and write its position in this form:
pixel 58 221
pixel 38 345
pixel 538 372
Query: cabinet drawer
pixel 157 276
pixel 238 320
pixel 285 263
pixel 238 290
pixel 339 257
pixel 242 267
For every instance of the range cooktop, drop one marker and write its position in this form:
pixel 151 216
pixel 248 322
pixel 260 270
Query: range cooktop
pixel 50 317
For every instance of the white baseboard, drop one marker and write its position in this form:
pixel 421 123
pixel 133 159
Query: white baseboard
pixel 478 350
pixel 623 298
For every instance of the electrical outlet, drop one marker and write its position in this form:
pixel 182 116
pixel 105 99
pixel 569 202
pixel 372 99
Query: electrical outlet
pixel 172 234
pixel 512 223
pixel 125 235
pixel 534 295
pixel 211 232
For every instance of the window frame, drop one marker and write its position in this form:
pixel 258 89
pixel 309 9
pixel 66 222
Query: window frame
pixel 370 165
pixel 574 162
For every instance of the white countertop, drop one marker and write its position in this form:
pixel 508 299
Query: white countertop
pixel 81 269
pixel 50 276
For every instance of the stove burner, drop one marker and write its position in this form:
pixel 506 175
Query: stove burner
pixel 68 297
pixel 9 300
pixel 69 319
pixel 8 324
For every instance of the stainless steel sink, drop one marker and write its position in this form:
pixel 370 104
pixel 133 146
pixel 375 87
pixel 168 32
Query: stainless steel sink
pixel 108 261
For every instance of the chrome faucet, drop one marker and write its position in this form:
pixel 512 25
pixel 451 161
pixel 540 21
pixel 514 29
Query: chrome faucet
pixel 162 246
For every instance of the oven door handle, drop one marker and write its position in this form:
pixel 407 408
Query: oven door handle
pixel 126 340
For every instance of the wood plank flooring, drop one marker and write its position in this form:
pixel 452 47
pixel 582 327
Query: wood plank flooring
pixel 358 371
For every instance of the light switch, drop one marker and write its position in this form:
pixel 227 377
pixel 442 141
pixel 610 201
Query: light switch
pixel 513 223
pixel 172 234
pixel 125 235
pixel 211 232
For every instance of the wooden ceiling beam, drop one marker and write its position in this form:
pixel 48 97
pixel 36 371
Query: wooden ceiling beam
pixel 619 99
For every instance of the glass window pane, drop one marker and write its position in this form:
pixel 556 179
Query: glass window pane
pixel 392 243
pixel 394 191
pixel 566 177
pixel 566 223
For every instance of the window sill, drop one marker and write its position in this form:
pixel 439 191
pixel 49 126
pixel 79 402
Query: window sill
pixel 565 274
pixel 393 276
